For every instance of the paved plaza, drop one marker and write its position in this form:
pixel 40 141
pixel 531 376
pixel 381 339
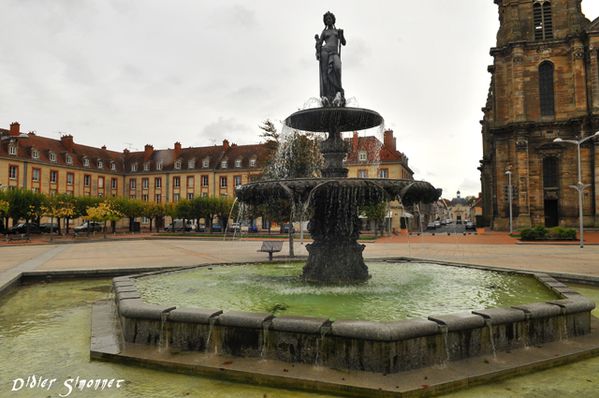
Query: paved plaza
pixel 150 253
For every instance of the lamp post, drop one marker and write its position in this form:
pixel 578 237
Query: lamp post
pixel 509 197
pixel 579 187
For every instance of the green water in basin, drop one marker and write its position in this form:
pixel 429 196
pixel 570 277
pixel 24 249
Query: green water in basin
pixel 395 291
pixel 44 330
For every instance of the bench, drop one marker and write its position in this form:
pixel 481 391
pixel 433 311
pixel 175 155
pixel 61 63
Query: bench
pixel 270 247
pixel 10 238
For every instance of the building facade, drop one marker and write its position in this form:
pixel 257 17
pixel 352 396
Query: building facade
pixel 544 85
pixel 50 166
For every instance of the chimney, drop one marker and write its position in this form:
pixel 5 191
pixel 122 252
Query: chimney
pixel 15 129
pixel 103 147
pixel 67 142
pixel 354 142
pixel 126 151
pixel 389 141
pixel 177 149
pixel 148 151
pixel 226 144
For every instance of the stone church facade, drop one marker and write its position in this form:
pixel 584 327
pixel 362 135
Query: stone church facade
pixel 544 85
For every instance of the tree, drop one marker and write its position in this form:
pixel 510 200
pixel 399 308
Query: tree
pixel 57 207
pixel 4 209
pixel 130 208
pixel 153 211
pixel 376 213
pixel 23 205
pixel 103 212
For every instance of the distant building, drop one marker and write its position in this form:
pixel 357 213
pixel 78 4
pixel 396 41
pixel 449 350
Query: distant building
pixel 544 85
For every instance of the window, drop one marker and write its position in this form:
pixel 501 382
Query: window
pixel 238 163
pixel 176 182
pixel 190 196
pixel 362 156
pixel 252 162
pixel 13 172
pixel 546 94
pixel 543 24
pixel 204 181
pixel 384 173
pixel 100 164
pixel 35 175
pixel 158 198
pixel 223 182
pixel 190 182
pixel 85 162
pixel 157 183
pixel 145 183
pixel 223 164
pixel 114 183
pixel 35 154
pixel 191 164
pixel 52 156
pixel 12 149
pixel 362 173
pixel 87 180
pixel 206 163
pixel 237 180
pixel 100 182
pixel 53 176
pixel 550 172
pixel 69 159
pixel 147 166
pixel 70 178
pixel 159 165
pixel 176 197
pixel 132 184
pixel 145 197
pixel 133 166
pixel 178 165
pixel 112 166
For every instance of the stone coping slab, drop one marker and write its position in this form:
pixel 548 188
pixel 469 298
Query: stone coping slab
pixel 422 382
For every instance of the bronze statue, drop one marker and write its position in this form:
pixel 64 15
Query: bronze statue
pixel 328 53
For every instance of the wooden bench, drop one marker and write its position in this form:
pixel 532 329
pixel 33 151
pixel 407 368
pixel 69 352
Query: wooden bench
pixel 10 238
pixel 270 247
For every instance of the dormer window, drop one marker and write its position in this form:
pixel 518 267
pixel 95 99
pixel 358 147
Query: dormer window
pixel 134 167
pixel 178 165
pixel 147 166
pixel 52 156
pixel 206 163
pixel 362 156
pixel 224 164
pixel 35 154
pixel 69 159
pixel 100 164
pixel 237 163
pixel 252 162
pixel 191 164
pixel 85 162
pixel 12 149
pixel 112 166
pixel 159 165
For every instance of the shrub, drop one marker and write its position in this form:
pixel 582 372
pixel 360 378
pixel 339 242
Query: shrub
pixel 562 233
pixel 535 233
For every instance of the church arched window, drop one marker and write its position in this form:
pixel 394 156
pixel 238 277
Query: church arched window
pixel 543 23
pixel 546 93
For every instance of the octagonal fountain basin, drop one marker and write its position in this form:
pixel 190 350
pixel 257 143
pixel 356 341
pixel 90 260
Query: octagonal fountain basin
pixel 407 316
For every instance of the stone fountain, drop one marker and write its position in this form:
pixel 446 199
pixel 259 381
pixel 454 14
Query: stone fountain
pixel 335 256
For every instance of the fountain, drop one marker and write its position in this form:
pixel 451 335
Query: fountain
pixel 335 256
pixel 312 341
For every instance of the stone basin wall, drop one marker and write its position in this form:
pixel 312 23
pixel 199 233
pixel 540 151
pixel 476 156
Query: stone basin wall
pixel 385 347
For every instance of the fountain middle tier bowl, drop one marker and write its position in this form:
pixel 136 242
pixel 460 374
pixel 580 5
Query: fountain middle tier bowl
pixel 365 190
pixel 337 119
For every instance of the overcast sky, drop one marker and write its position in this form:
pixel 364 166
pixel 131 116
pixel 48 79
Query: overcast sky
pixel 125 73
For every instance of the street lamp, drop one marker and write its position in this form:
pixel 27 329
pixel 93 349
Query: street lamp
pixel 579 187
pixel 509 196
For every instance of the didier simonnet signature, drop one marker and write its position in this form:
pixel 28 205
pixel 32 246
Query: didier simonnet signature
pixel 65 387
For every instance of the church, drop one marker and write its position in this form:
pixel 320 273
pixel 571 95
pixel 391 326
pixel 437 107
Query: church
pixel 544 92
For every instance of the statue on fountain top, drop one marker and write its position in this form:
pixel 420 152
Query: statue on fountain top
pixel 328 53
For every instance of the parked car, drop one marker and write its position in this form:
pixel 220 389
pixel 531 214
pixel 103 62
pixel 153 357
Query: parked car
pixel 91 225
pixel 285 228
pixel 431 225
pixel 437 224
pixel 177 225
pixel 216 227
pixel 253 229
pixel 23 229
pixel 470 226
pixel 48 227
